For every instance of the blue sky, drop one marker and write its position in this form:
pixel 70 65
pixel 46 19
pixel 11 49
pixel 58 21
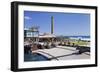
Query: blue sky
pixel 64 23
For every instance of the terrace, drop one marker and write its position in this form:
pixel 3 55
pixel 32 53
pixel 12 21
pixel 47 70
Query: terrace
pixel 50 47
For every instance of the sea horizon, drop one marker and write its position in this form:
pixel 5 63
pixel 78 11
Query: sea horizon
pixel 82 37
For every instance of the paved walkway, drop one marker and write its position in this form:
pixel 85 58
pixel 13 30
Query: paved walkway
pixel 62 53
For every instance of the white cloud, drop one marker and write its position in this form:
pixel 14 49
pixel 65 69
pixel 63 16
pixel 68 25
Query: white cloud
pixel 27 17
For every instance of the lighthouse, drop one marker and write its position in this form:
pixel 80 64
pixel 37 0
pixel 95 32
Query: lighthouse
pixel 52 24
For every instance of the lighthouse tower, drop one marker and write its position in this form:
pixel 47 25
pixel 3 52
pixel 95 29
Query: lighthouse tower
pixel 52 24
